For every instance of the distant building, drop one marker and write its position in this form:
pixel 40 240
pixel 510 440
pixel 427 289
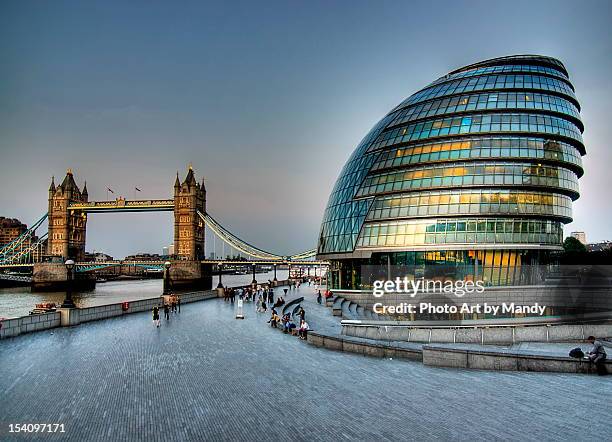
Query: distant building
pixel 600 246
pixel 97 257
pixel 580 236
pixel 171 249
pixel 144 257
pixel 10 229
pixel 165 251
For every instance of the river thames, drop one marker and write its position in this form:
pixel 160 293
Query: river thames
pixel 15 302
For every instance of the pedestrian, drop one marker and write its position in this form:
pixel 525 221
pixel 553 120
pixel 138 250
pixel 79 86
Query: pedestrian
pixel 179 303
pixel 166 312
pixel 156 316
pixel 302 314
pixel 597 355
pixel 319 297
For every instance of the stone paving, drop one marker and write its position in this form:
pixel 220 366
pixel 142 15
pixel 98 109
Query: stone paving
pixel 206 376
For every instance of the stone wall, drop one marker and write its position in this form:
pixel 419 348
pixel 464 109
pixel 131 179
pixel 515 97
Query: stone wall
pixel 439 356
pixel 352 345
pixel 53 276
pixel 26 324
pixel 69 317
pixel 81 315
pixel 478 334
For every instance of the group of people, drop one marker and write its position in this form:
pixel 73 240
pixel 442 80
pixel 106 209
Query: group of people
pixel 288 325
pixel 249 294
pixel 172 304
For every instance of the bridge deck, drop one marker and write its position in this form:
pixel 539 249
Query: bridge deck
pixel 122 205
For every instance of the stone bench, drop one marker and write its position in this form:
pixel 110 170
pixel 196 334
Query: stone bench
pixel 366 347
pixel 507 360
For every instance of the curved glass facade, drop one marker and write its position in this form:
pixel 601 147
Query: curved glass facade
pixel 486 157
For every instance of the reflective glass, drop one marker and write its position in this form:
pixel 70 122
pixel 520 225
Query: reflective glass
pixel 481 148
pixel 470 174
pixel 454 231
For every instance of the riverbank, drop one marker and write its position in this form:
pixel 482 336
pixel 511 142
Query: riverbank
pixel 16 302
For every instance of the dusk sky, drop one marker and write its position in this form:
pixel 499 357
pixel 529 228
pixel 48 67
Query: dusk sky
pixel 266 99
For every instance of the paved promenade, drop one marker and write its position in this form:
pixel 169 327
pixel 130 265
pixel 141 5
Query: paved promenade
pixel 207 376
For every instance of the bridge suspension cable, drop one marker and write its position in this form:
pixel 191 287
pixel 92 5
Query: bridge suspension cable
pixel 26 247
pixel 234 241
pixel 243 246
pixel 29 253
pixel 7 248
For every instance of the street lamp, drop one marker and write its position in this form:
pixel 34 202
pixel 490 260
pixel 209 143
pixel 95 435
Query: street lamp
pixel 220 269
pixel 68 303
pixel 167 265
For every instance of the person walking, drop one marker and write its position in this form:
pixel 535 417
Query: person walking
pixel 166 312
pixel 178 302
pixel 156 316
pixel 319 297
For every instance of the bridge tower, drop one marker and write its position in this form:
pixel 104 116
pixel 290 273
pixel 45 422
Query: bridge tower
pixel 67 228
pixel 189 198
pixel 187 271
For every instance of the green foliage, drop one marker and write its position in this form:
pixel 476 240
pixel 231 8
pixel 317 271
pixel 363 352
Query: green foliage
pixel 572 245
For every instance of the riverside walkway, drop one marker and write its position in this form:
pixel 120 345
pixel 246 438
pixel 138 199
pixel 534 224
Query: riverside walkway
pixel 206 376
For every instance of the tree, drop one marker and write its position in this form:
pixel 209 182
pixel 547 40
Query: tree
pixel 572 245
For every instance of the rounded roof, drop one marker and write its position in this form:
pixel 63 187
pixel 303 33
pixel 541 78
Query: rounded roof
pixel 506 126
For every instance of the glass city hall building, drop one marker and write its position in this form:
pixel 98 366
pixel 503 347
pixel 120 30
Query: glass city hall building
pixel 472 177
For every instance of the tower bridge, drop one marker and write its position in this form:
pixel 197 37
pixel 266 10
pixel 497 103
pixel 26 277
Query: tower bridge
pixel 69 208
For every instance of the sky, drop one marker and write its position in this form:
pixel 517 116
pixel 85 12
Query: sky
pixel 266 99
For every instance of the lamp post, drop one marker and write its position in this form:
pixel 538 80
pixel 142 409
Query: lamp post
pixel 220 269
pixel 68 303
pixel 167 265
pixel 275 280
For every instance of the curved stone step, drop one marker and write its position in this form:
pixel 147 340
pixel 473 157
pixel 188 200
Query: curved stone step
pixel 291 303
pixel 344 306
pixel 360 310
pixel 337 306
pixel 347 309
